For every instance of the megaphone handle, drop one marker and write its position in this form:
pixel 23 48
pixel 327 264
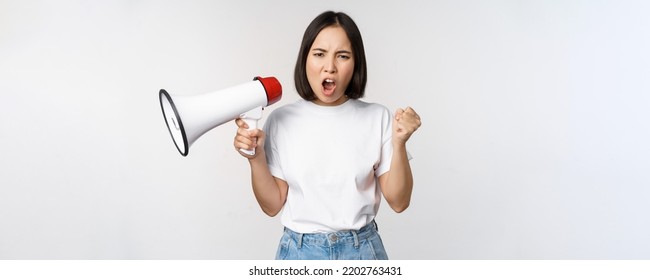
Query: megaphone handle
pixel 252 124
pixel 251 117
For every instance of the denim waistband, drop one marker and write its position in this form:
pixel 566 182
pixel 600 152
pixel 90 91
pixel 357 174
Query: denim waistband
pixel 332 238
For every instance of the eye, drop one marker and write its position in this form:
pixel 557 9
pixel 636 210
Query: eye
pixel 344 56
pixel 318 54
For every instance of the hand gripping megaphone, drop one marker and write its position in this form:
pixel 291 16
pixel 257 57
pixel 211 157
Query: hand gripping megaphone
pixel 189 117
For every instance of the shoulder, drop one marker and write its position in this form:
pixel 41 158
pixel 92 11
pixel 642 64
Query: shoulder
pixel 287 109
pixel 368 105
pixel 371 108
pixel 286 114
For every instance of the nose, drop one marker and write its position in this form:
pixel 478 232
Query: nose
pixel 330 66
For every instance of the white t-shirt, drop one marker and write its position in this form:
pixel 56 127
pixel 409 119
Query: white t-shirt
pixel 331 157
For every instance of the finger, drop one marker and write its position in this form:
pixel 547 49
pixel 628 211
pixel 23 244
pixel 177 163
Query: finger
pixel 241 123
pixel 245 136
pixel 257 136
pixel 255 132
pixel 244 132
pixel 409 111
pixel 242 142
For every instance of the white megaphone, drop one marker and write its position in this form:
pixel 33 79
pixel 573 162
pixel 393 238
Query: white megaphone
pixel 189 117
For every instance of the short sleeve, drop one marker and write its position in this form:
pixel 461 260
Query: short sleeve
pixel 271 148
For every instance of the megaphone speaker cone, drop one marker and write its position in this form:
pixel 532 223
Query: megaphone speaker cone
pixel 174 122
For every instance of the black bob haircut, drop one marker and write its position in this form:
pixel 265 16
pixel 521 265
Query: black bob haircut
pixel 357 85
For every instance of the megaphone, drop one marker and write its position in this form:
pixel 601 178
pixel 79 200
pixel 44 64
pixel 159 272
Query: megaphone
pixel 189 117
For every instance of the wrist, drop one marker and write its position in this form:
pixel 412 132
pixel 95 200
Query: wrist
pixel 260 156
pixel 399 146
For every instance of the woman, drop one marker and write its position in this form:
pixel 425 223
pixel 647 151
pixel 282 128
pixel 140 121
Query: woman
pixel 326 160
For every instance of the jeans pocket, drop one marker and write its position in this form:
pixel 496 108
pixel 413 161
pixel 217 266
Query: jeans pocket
pixel 283 247
pixel 374 249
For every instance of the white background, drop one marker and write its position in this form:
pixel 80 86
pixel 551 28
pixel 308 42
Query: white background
pixel 534 142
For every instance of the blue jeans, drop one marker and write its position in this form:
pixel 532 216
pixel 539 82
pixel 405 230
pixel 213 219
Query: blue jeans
pixel 362 244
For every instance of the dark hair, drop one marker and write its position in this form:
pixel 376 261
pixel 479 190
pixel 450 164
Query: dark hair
pixel 357 85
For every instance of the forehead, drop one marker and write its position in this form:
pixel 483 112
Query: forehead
pixel 332 37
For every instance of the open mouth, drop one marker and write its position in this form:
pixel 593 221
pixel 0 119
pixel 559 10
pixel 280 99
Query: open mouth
pixel 328 86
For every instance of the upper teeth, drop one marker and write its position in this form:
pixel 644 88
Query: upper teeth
pixel 329 80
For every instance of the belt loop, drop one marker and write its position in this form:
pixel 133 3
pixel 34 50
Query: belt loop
pixel 356 239
pixel 300 235
pixel 376 226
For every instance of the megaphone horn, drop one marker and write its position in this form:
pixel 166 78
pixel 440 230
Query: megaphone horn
pixel 189 117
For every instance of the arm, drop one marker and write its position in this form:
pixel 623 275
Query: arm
pixel 270 192
pixel 397 184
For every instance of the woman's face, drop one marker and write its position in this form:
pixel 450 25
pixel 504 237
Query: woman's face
pixel 330 66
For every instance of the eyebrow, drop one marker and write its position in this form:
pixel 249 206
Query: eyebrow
pixel 324 50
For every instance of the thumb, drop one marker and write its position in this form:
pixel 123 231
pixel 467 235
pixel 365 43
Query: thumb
pixel 398 113
pixel 259 136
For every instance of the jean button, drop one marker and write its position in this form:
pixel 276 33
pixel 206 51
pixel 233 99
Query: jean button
pixel 333 237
